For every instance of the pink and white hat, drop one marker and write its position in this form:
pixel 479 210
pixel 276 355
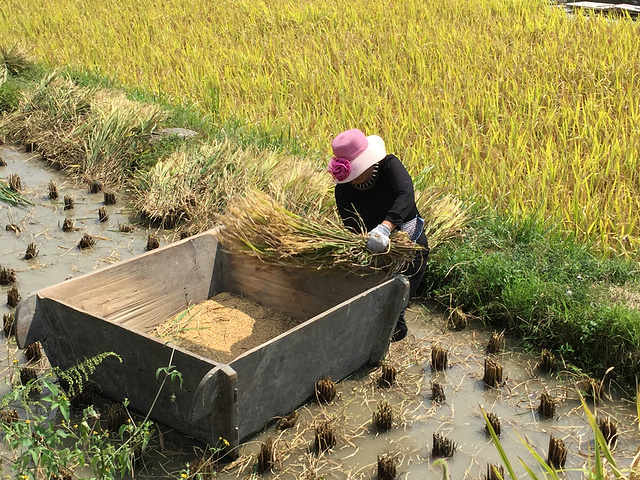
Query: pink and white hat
pixel 353 153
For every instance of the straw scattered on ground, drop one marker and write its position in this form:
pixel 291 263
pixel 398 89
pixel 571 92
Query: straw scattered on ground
pixel 224 327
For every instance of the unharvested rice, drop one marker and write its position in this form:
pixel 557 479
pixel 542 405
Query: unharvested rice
pixel 223 327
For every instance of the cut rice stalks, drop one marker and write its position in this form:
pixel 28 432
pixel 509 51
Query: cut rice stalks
pixel 444 215
pixel 256 224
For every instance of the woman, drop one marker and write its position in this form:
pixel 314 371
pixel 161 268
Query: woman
pixel 374 194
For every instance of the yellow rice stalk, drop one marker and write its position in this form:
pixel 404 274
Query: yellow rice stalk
pixel 513 100
pixel 444 215
pixel 189 187
pixel 257 225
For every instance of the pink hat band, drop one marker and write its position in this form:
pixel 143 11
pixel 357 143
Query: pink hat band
pixel 353 154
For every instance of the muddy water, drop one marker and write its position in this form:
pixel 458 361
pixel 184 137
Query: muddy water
pixel 458 418
pixel 58 256
pixel 415 417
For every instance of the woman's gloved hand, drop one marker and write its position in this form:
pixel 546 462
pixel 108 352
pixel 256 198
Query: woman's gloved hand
pixel 378 239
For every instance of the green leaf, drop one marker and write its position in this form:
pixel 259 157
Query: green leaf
pixel 601 441
pixel 65 410
pixel 52 387
pixel 551 471
pixel 496 442
pixel 528 469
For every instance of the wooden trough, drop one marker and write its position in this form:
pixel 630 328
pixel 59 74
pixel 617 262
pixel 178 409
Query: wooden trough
pixel 345 323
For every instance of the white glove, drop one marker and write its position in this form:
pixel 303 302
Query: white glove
pixel 378 239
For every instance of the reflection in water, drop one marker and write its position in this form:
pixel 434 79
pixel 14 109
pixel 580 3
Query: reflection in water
pixel 416 418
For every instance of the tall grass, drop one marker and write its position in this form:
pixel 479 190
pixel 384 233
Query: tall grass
pixel 512 99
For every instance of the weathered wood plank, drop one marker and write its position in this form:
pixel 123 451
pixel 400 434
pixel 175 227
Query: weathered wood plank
pixel 601 7
pixel 144 291
pixel 216 400
pixel 301 294
pixel 79 335
pixel 279 376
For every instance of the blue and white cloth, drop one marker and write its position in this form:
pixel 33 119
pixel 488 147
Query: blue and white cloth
pixel 413 228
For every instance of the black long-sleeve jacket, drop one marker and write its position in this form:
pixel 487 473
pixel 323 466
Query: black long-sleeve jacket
pixel 390 198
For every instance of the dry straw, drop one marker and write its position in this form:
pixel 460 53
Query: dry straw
pixel 90 132
pixel 258 225
pixel 189 187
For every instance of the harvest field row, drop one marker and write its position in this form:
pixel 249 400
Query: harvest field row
pixel 512 100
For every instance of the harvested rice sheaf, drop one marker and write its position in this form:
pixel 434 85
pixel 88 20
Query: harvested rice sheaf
pixel 31 252
pixel 153 242
pixel 383 417
pixel 387 375
pixel 87 241
pixel 494 421
pixel 33 352
pixel 326 390
pixel 115 415
pixel 437 392
pixel 267 457
pixel 7 276
pixel 258 225
pixel 13 297
pixel 442 446
pixel 68 202
pixel 8 324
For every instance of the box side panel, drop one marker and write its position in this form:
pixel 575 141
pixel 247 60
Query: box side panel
pixel 216 401
pixel 143 292
pixel 301 294
pixel 79 336
pixel 280 375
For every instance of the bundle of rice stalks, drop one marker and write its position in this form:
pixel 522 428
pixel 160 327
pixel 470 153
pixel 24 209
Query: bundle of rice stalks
pixel 14 60
pixel 8 324
pixel 186 189
pixel 116 131
pixel 256 224
pixel 13 297
pixel 444 215
pixel 89 132
pixel 48 116
pixel 383 417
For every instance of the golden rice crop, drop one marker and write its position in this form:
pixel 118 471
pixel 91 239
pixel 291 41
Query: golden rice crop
pixel 256 224
pixel 511 99
pixel 191 186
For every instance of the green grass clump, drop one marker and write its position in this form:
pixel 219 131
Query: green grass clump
pixel 17 73
pixel 10 90
pixel 551 289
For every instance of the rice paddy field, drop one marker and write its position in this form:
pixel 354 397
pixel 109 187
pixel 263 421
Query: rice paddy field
pixel 511 101
pixel 509 104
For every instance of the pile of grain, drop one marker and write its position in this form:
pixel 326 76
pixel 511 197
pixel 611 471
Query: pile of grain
pixel 223 327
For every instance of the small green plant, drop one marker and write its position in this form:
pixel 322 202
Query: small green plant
pixel 51 440
pixel 204 466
